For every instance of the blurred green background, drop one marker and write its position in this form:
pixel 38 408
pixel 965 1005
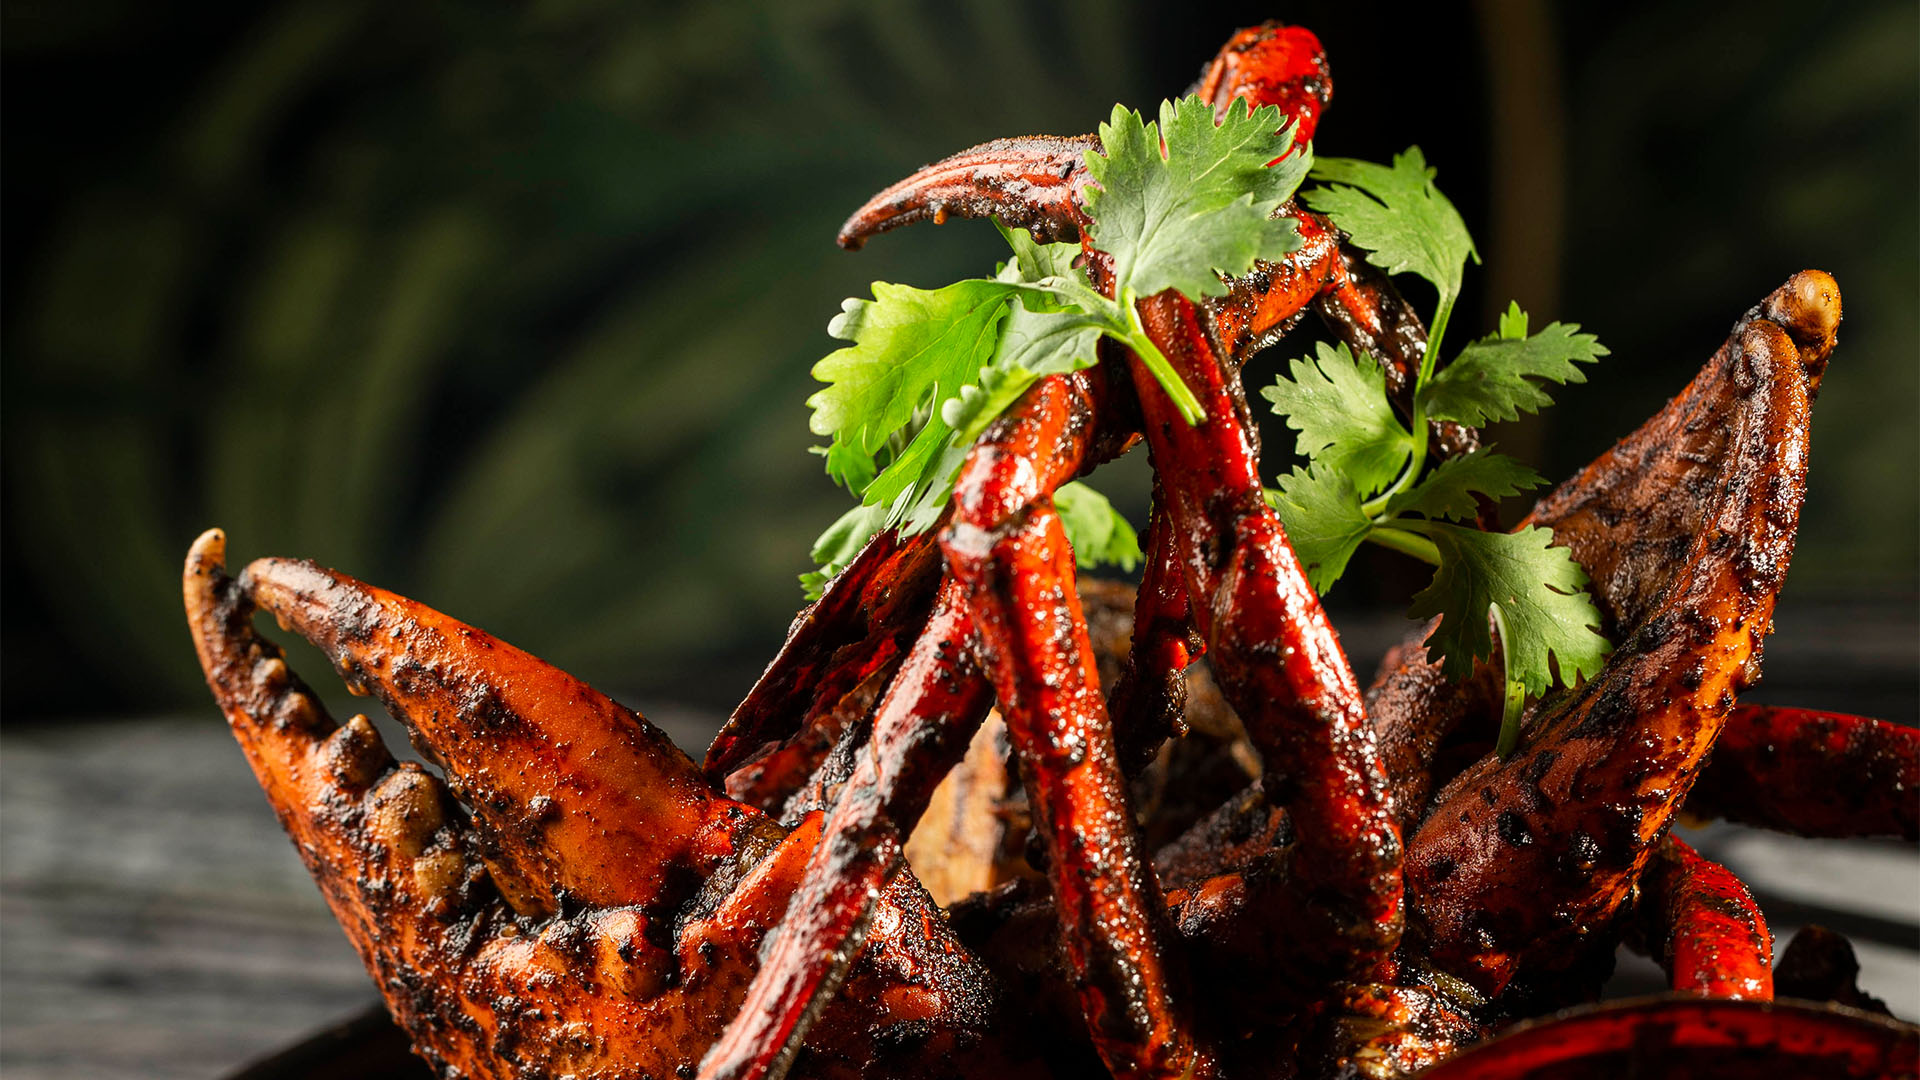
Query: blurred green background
pixel 509 307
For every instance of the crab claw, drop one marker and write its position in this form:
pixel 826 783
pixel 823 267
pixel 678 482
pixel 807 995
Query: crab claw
pixel 1039 182
pixel 1686 527
pixel 640 897
pixel 1036 183
pixel 599 807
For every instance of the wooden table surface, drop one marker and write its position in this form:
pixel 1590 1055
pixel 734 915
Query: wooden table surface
pixel 154 921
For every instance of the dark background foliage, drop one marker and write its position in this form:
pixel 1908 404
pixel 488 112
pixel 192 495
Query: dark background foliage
pixel 510 307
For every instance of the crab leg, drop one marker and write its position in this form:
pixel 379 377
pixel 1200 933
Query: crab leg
pixel 1007 551
pixel 1278 661
pixel 1813 773
pixel 624 980
pixel 1686 527
pixel 1038 182
pixel 1271 64
pixel 920 731
pixel 1703 926
pixel 1032 183
pixel 1148 701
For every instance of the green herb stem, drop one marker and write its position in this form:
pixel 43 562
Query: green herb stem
pixel 1419 419
pixel 1406 543
pixel 1416 460
pixel 1516 696
pixel 1510 720
pixel 1136 339
pixel 1428 359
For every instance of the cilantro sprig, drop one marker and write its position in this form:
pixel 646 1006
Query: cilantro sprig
pixel 1367 478
pixel 1180 202
pixel 1397 215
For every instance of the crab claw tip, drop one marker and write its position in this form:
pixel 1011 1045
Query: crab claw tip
pixel 209 551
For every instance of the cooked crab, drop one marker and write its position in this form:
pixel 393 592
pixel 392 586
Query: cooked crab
pixel 1383 892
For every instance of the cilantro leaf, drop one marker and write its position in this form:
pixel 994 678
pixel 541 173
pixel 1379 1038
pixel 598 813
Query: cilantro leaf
pixel 1513 322
pixel 1033 344
pixel 1321 512
pixel 850 467
pixel 916 509
pixel 1397 216
pixel 1095 529
pixel 1179 220
pixel 911 349
pixel 1447 491
pixel 1491 379
pixel 1034 261
pixel 1052 326
pixel 1338 403
pixel 1544 609
pixel 839 544
pixel 914 474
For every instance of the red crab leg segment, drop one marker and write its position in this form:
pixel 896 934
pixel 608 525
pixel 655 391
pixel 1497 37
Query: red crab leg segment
pixel 1701 923
pixel 1261 307
pixel 1813 773
pixel 1007 550
pixel 1277 657
pixel 920 732
pixel 1370 315
pixel 783 781
pixel 1272 64
pixel 1696 1039
pixel 1147 702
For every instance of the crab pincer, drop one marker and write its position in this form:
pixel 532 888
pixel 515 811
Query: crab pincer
pixel 863 622
pixel 594 909
pixel 1686 527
